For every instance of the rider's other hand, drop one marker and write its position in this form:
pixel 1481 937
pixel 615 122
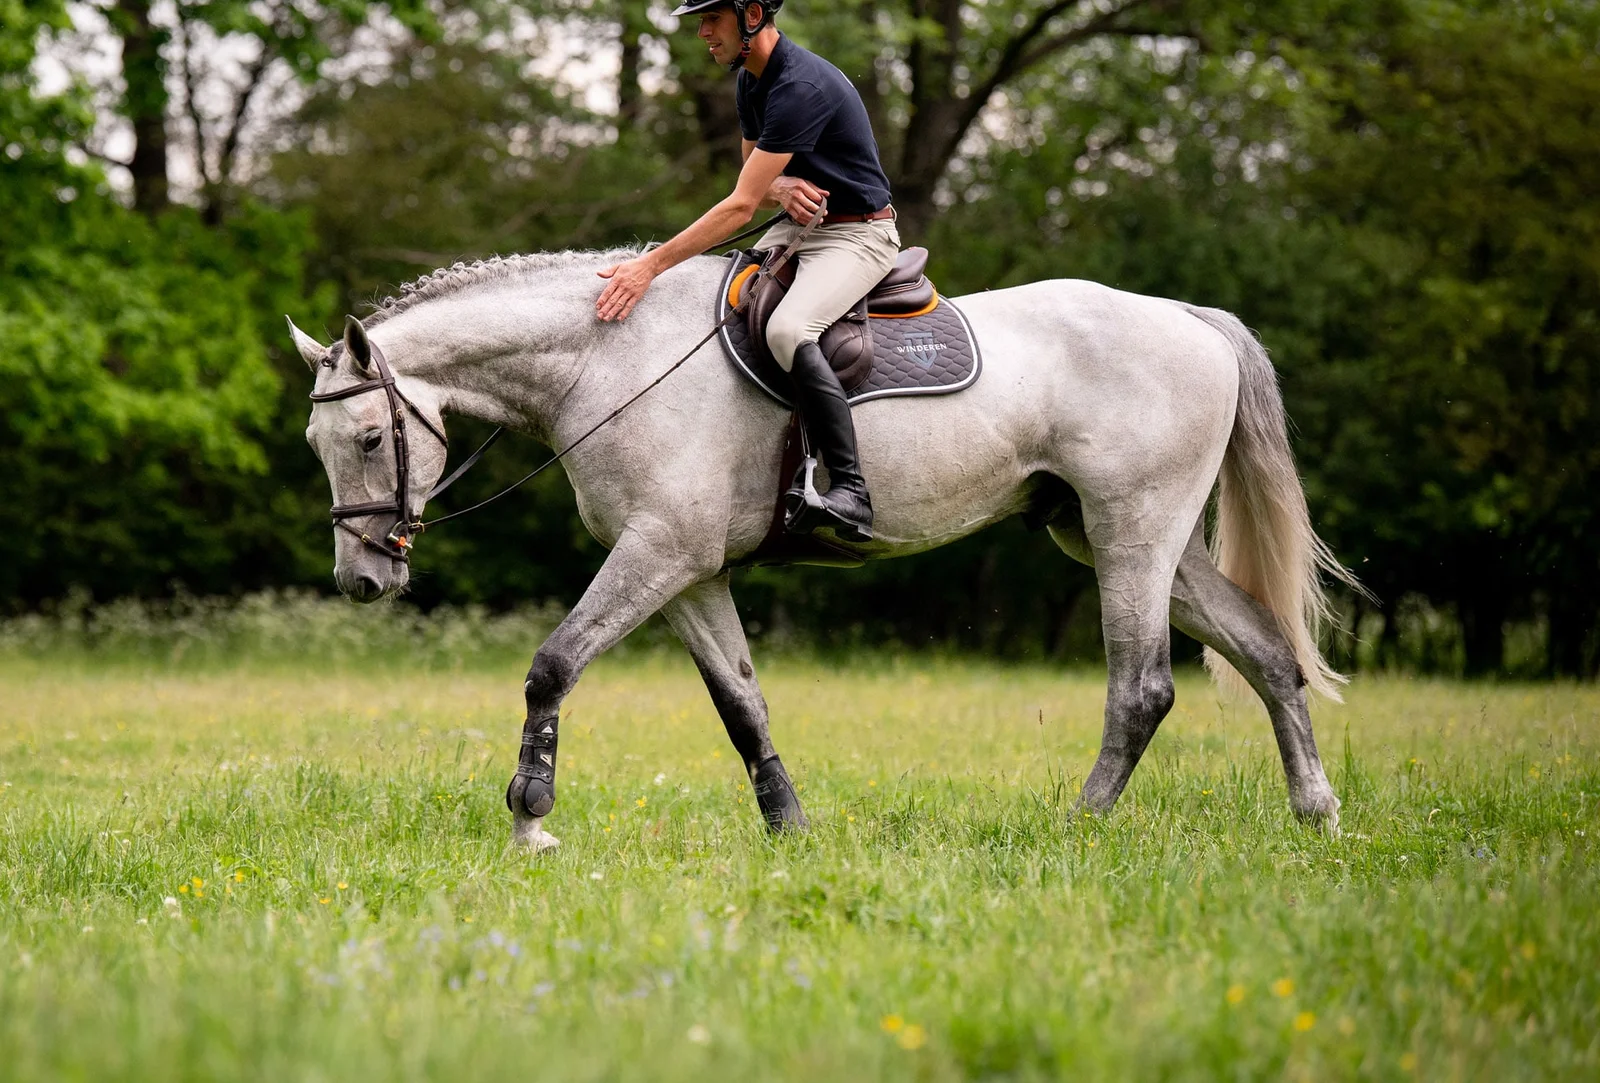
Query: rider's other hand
pixel 628 282
pixel 799 197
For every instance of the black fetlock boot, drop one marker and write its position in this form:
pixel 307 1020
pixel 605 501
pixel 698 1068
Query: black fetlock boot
pixel 825 413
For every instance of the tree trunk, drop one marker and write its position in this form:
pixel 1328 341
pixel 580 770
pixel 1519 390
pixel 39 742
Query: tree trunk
pixel 628 94
pixel 1483 619
pixel 145 101
pixel 1574 646
pixel 935 111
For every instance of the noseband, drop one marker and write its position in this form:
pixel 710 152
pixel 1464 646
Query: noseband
pixel 395 545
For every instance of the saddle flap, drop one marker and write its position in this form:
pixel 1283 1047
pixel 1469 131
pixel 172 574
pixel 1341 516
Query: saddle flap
pixel 847 344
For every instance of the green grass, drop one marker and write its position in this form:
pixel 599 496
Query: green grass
pixel 344 905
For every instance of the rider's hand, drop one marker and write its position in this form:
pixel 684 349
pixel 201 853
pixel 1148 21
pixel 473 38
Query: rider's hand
pixel 628 282
pixel 799 197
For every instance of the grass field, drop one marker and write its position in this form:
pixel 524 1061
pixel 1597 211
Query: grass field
pixel 288 874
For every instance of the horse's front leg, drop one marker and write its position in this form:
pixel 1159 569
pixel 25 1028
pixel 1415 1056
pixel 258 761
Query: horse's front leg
pixel 638 577
pixel 705 619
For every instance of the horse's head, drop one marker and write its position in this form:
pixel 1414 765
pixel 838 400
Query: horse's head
pixel 380 462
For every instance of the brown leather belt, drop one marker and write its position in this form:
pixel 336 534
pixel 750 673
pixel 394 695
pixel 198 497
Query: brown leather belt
pixel 886 211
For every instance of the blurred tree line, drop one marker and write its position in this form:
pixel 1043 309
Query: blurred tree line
pixel 1398 195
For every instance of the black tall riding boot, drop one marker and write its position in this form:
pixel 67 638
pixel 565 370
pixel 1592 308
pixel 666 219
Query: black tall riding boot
pixel 825 413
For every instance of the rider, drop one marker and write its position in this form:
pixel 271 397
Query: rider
pixel 806 138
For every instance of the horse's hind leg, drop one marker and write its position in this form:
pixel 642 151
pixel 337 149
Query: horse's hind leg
pixel 705 619
pixel 1213 609
pixel 1135 581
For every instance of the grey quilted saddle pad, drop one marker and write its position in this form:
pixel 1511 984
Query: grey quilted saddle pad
pixel 931 354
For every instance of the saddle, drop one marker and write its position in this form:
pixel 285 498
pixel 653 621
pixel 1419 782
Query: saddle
pixel 904 292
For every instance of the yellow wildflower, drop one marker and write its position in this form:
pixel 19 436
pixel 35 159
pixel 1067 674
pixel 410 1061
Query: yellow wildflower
pixel 343 885
pixel 892 1024
pixel 913 1037
pixel 1283 987
pixel 1235 994
pixel 238 876
pixel 324 900
pixel 639 803
pixel 1305 1021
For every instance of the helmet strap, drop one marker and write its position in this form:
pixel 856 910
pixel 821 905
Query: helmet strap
pixel 745 33
pixel 744 54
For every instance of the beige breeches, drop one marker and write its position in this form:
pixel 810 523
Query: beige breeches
pixel 835 267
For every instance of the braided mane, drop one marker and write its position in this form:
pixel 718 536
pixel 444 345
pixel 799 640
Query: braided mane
pixel 459 276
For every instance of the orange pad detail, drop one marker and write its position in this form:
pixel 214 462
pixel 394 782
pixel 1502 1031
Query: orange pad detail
pixel 737 284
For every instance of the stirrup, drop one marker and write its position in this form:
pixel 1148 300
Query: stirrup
pixel 806 511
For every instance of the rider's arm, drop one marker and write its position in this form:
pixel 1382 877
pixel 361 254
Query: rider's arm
pixel 629 280
pixel 761 168
pixel 770 200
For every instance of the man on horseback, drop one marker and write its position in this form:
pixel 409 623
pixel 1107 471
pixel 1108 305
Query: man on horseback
pixel 807 142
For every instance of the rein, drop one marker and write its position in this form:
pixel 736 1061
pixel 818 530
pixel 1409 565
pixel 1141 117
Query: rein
pixel 397 543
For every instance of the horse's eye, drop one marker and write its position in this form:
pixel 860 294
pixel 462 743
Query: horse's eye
pixel 370 442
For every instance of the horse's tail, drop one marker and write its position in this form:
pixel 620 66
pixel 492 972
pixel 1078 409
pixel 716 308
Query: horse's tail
pixel 1263 539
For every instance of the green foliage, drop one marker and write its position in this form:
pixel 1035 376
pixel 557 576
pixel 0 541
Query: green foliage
pixel 138 391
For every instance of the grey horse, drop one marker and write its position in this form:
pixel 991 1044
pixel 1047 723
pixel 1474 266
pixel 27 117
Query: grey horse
pixel 1110 415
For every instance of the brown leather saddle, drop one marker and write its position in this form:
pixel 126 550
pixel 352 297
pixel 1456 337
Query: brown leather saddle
pixel 903 338
pixel 904 292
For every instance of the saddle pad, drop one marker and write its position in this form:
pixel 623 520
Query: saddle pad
pixel 930 353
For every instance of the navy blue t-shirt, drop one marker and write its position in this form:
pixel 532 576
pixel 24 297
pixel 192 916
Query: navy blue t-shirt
pixel 803 105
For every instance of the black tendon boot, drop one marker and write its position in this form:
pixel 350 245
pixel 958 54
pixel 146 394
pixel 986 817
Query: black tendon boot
pixel 825 412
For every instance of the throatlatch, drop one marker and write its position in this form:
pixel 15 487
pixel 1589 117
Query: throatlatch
pixel 536 767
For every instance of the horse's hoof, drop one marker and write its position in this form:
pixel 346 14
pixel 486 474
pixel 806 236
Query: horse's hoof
pixel 1321 812
pixel 532 836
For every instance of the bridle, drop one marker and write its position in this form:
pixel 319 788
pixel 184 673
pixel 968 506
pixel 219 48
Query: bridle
pixel 396 544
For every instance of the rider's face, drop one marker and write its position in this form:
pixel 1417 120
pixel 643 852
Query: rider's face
pixel 719 29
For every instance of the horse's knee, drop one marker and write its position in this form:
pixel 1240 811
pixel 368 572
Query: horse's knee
pixel 550 677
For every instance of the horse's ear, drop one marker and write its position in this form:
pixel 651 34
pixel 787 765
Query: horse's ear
pixel 356 344
pixel 313 354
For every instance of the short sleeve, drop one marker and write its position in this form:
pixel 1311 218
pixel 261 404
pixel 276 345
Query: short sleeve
pixel 797 115
pixel 747 114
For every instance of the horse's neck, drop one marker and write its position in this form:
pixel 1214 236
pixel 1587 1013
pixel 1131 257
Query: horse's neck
pixel 491 354
pixel 515 354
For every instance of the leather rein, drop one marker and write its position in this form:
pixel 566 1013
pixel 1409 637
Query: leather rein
pixel 397 543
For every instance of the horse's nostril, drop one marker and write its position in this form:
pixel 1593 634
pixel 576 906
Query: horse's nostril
pixel 367 588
